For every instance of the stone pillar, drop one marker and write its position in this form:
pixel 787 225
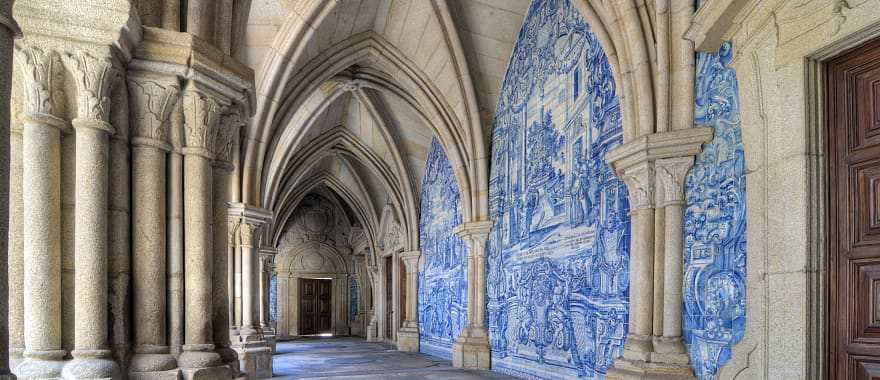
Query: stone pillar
pixel 267 258
pixel 373 324
pixel 671 174
pixel 41 143
pixel 151 103
pixel 249 328
pixel 223 167
pixel 8 32
pixel 198 359
pixel 658 162
pixel 408 335
pixel 175 254
pixel 93 77
pixel 471 349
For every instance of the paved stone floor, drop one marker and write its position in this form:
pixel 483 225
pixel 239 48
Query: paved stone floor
pixel 354 358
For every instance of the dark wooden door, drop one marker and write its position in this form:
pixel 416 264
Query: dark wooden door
pixel 314 306
pixel 389 298
pixel 853 130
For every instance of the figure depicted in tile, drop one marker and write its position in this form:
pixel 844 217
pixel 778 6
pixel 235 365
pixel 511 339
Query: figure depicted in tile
pixel 715 222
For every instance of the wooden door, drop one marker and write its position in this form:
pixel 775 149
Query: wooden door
pixel 389 298
pixel 315 302
pixel 853 131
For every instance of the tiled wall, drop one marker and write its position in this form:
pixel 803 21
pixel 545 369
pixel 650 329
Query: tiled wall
pixel 559 253
pixel 715 222
pixel 442 276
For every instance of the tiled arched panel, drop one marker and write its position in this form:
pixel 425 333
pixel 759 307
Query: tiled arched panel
pixel 715 222
pixel 353 298
pixel 273 297
pixel 558 281
pixel 443 275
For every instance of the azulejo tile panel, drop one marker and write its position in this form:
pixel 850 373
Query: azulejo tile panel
pixel 443 275
pixel 715 222
pixel 558 281
pixel 353 298
pixel 273 297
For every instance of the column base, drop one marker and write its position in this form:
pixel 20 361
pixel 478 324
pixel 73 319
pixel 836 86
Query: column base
pixel 373 331
pixel 41 365
pixel 471 351
pixel 200 362
pixel 652 358
pixel 230 357
pixel 89 366
pixel 148 359
pixel 173 374
pixel 255 359
pixel 408 339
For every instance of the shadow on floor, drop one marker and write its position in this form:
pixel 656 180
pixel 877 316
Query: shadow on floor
pixel 355 358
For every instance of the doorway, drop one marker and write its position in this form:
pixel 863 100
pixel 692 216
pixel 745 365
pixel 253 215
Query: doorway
pixel 389 299
pixel 852 97
pixel 315 315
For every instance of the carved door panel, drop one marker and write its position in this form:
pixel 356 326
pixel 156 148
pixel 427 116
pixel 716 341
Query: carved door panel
pixel 389 309
pixel 323 304
pixel 853 128
pixel 307 311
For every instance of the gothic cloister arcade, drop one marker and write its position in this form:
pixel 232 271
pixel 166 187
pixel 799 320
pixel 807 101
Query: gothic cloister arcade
pixel 551 189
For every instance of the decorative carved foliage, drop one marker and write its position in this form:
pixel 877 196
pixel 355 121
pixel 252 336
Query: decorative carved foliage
pixel 94 78
pixel 247 233
pixel 152 103
pixel 715 223
pixel 639 181
pixel 224 141
pixel 201 114
pixel 443 278
pixel 39 69
pixel 558 255
pixel 670 173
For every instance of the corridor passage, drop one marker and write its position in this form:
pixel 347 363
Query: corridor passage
pixel 354 358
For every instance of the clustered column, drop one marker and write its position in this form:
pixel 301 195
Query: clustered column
pixel 201 112
pixel 408 335
pixel 471 349
pixel 41 235
pixel 93 77
pixel 267 257
pixel 153 100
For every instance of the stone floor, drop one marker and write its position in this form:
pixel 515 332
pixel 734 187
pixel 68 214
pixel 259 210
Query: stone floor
pixel 354 358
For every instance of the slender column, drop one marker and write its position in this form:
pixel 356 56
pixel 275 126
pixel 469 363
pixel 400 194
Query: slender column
pixel 93 77
pixel 229 124
pixel 640 184
pixel 471 349
pixel 41 143
pixel 8 32
pixel 175 253
pixel 267 256
pixel 152 102
pixel 408 335
pixel 16 249
pixel 246 234
pixel 671 173
pixel 373 333
pixel 201 112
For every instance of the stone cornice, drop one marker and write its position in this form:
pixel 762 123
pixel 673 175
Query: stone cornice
pixel 681 143
pixel 249 213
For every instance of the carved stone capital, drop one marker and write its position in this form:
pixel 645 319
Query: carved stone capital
pixel 475 235
pixel 151 104
pixel 94 78
pixel 227 131
pixel 411 260
pixel 248 234
pixel 201 113
pixel 639 179
pixel 39 70
pixel 671 173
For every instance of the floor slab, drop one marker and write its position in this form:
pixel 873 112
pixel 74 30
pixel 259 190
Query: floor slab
pixel 354 358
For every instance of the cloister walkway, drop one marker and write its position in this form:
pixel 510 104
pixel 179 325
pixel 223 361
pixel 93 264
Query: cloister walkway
pixel 355 358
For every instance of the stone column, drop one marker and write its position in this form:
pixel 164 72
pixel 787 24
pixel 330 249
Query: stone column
pixel 471 349
pixel 198 359
pixel 267 257
pixel 223 166
pixel 373 324
pixel 249 312
pixel 671 173
pixel 8 32
pixel 151 103
pixel 408 335
pixel 41 144
pixel 16 248
pixel 175 254
pixel 93 77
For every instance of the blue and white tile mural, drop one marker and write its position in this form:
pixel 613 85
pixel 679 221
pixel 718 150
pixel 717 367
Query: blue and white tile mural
pixel 273 298
pixel 715 222
pixel 353 298
pixel 558 280
pixel 443 276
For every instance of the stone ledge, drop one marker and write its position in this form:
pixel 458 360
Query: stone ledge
pixel 408 340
